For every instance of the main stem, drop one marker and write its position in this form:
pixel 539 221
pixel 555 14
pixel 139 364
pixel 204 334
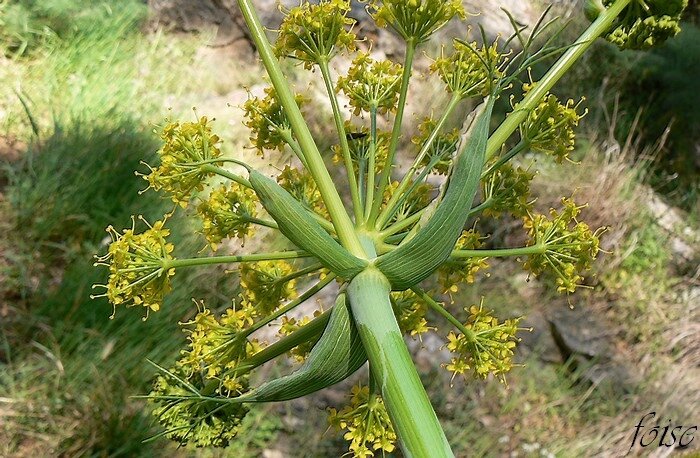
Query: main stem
pixel 413 417
pixel 533 98
pixel 341 220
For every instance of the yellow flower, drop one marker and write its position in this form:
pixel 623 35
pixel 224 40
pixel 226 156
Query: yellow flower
pixel 372 84
pixel 138 267
pixel 470 70
pixel 266 284
pixel 229 212
pixel 410 313
pixel 216 346
pixel 487 347
pixel 458 271
pixel 189 420
pixel 569 247
pixel 415 19
pixel 549 128
pixel 367 422
pixel 187 151
pixel 507 189
pixel 267 121
pixel 314 32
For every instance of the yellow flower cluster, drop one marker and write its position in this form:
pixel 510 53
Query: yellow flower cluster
pixel 216 346
pixel 507 189
pixel 188 149
pixel 266 284
pixel 487 347
pixel 301 185
pixel 138 267
pixel 228 212
pixel 470 70
pixel 367 422
pixel 372 84
pixel 549 128
pixel 267 121
pixel 442 149
pixel 569 246
pixel 463 270
pixel 315 32
pixel 410 313
pixel 415 19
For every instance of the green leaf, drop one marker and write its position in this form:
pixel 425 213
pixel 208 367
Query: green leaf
pixel 337 355
pixel 415 260
pixel 302 230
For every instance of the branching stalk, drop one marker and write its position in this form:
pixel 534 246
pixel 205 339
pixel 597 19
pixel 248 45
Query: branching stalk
pixel 385 177
pixel 540 90
pixel 340 218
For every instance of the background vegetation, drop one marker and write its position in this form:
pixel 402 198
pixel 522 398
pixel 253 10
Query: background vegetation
pixel 83 84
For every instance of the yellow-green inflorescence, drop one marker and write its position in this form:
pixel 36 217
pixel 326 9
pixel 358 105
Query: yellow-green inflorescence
pixel 312 33
pixel 471 69
pixel 228 212
pixel 366 420
pixel 266 284
pixel 643 24
pixel 268 124
pixel 569 246
pixel 187 149
pixel 507 190
pixel 138 267
pixel 415 20
pixel 410 313
pixel 208 366
pixel 189 420
pixel 486 347
pixel 372 85
pixel 549 128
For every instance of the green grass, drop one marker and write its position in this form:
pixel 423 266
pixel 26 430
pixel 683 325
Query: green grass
pixel 92 85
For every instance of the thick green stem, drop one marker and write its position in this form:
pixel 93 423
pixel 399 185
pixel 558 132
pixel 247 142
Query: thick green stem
pixel 385 177
pixel 414 419
pixel 341 220
pixel 213 260
pixel 343 139
pixel 533 98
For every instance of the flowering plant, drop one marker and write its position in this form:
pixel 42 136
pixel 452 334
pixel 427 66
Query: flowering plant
pixel 398 246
